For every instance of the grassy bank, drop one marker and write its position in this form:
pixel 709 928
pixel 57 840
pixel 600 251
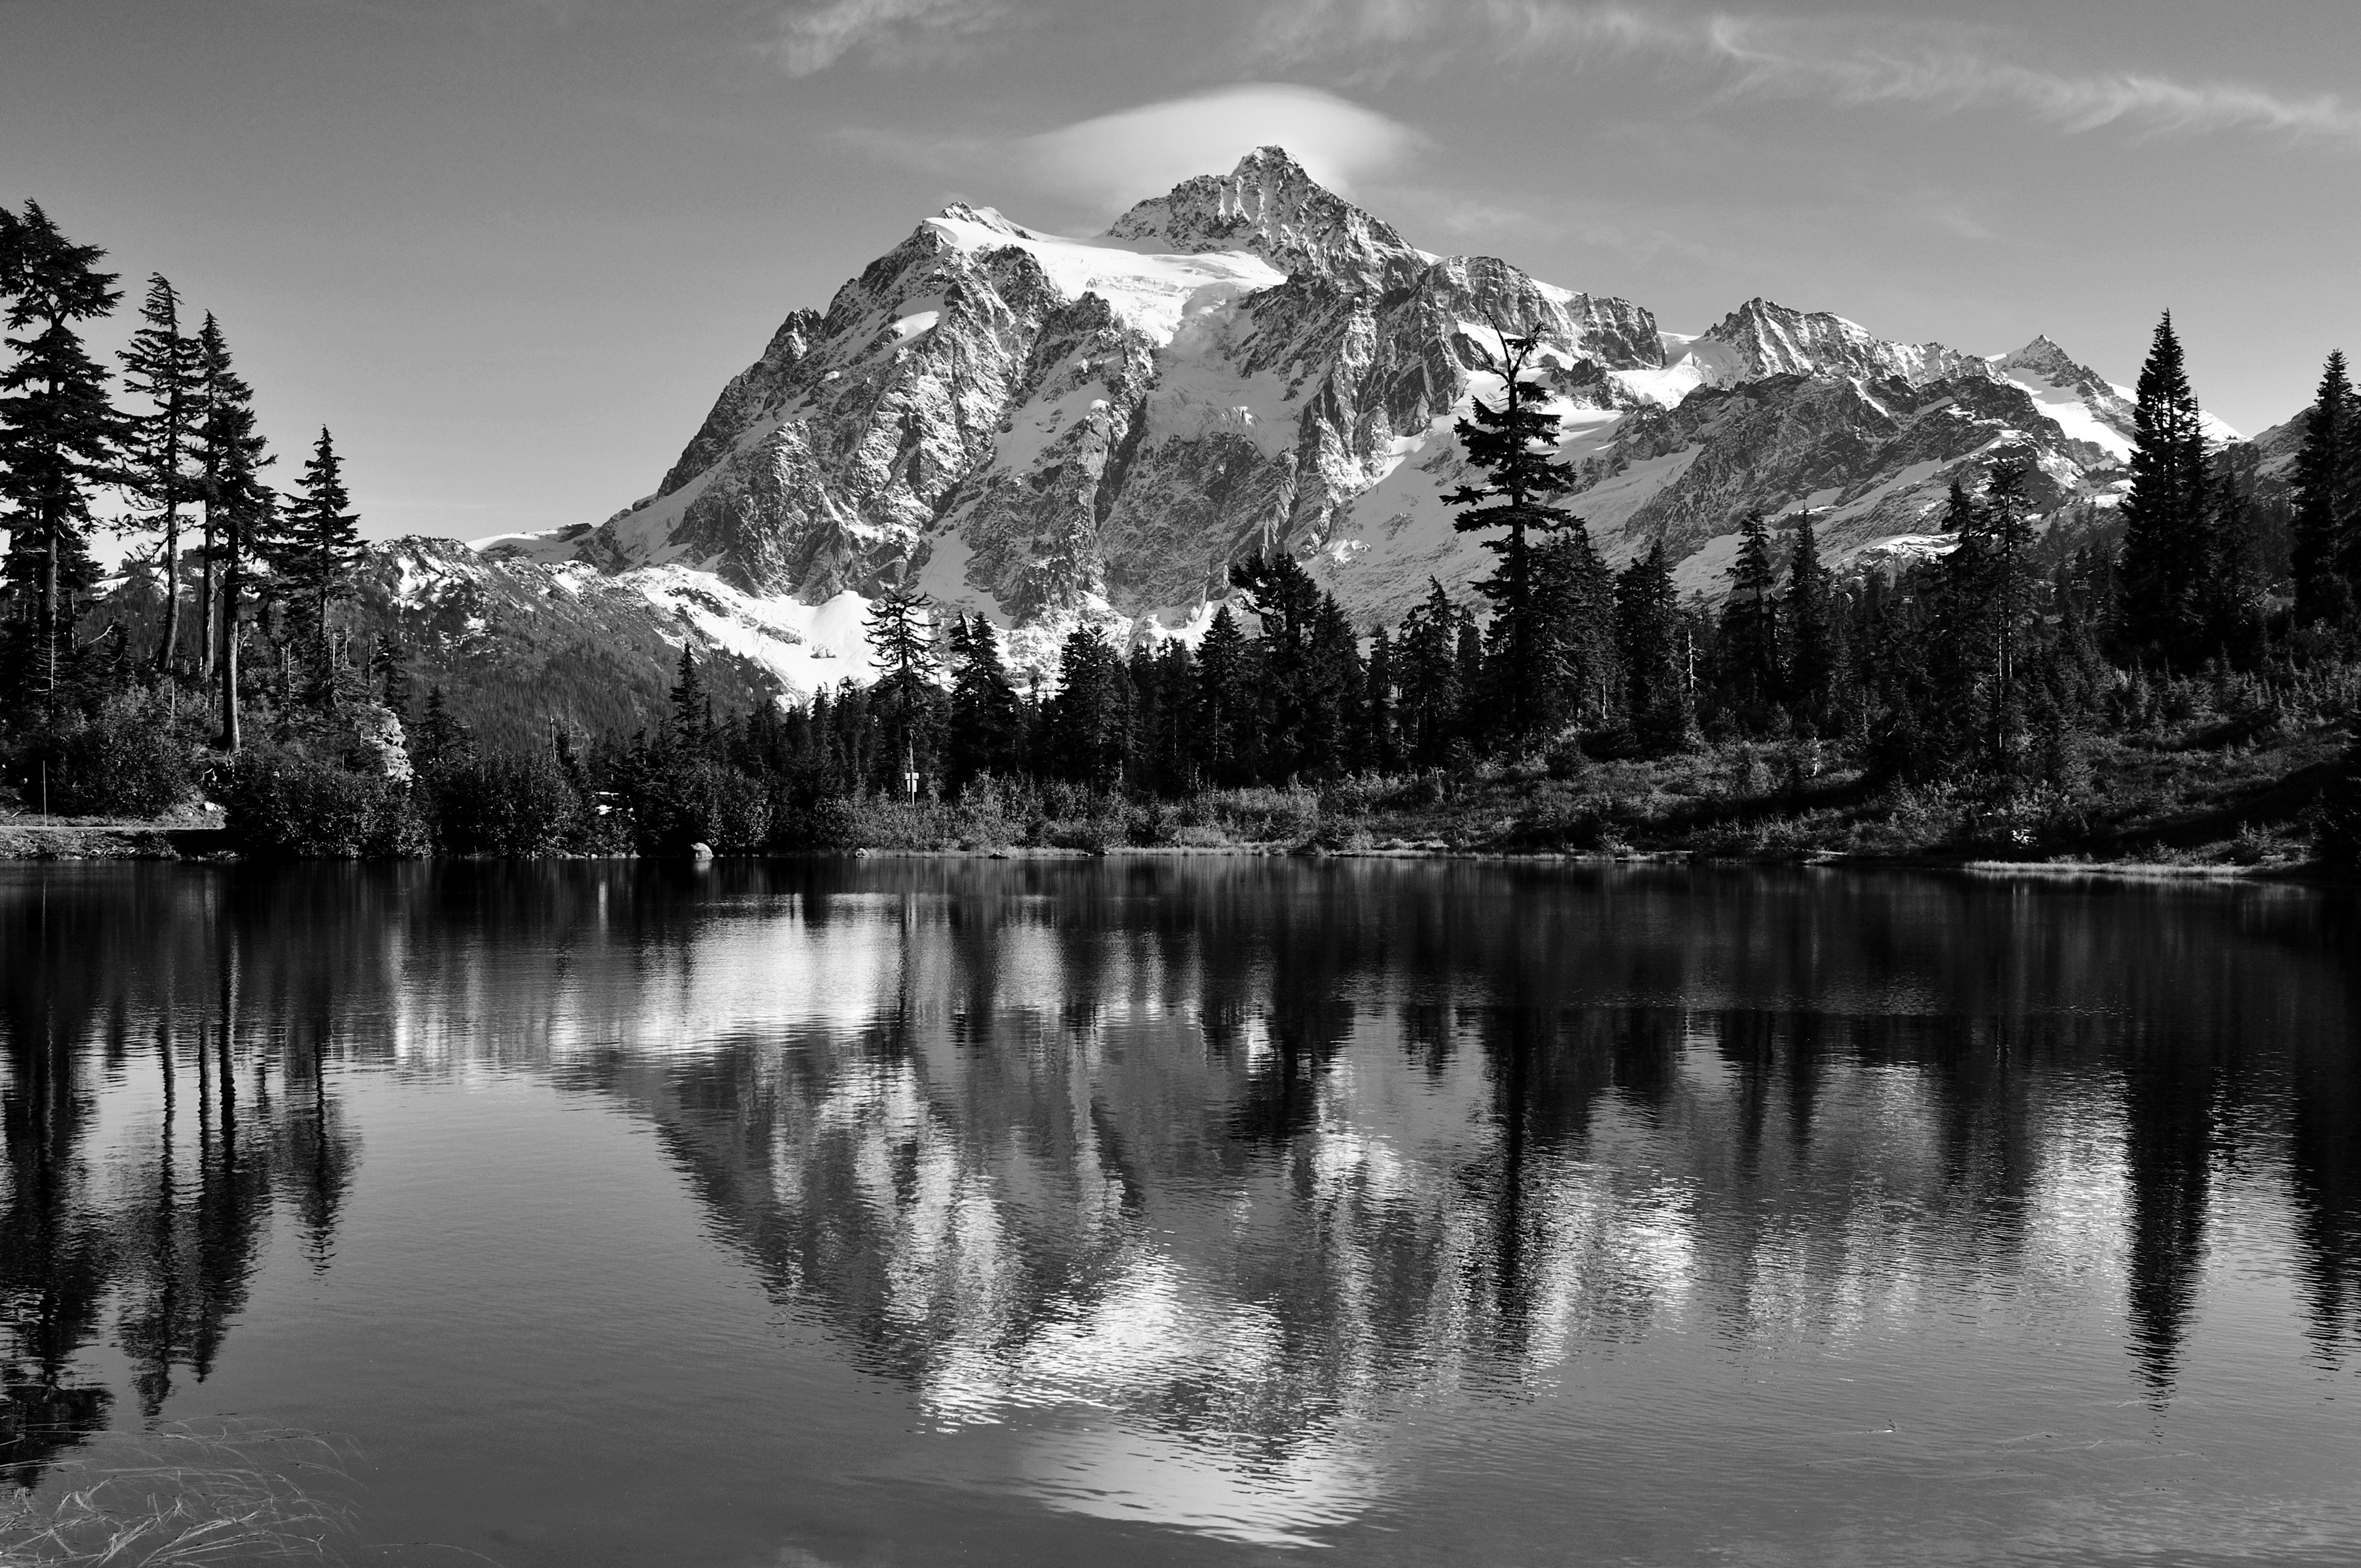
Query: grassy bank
pixel 2222 797
pixel 2215 800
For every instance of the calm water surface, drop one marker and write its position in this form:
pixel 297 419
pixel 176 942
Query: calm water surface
pixel 909 1212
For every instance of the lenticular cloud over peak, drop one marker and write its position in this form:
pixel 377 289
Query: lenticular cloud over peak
pixel 1111 159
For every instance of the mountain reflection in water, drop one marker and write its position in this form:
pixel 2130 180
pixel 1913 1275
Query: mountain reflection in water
pixel 1223 1191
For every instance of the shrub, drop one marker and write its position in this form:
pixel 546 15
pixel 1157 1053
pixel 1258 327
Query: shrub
pixel 507 804
pixel 2336 823
pixel 688 799
pixel 285 805
pixel 133 758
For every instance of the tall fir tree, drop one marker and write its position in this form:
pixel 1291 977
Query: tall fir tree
pixel 1226 709
pixel 985 726
pixel 231 455
pixel 1654 667
pixel 1285 603
pixel 901 647
pixel 2167 514
pixel 2322 592
pixel 2012 591
pixel 1333 681
pixel 58 436
pixel 1426 660
pixel 1089 719
pixel 314 551
pixel 691 707
pixel 1514 443
pixel 1577 670
pixel 162 368
pixel 1813 631
pixel 1750 626
pixel 1380 736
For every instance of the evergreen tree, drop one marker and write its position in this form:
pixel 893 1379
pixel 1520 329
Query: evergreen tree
pixel 1577 670
pixel 1655 674
pixel 1514 443
pixel 442 738
pixel 313 550
pixel 2231 590
pixel 984 722
pixel 1750 626
pixel 1814 632
pixel 1332 682
pixel 2011 590
pixel 1380 744
pixel 162 367
pixel 2324 592
pixel 57 438
pixel 1089 719
pixel 231 455
pixel 1428 663
pixel 901 643
pixel 1478 721
pixel 1226 709
pixel 691 707
pixel 2167 515
pixel 1285 603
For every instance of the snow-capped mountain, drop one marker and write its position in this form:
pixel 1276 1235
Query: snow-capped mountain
pixel 1040 427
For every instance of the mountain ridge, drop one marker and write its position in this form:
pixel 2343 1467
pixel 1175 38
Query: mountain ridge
pixel 1041 429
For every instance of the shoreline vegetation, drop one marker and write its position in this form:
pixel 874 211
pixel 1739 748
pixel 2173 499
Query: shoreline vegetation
pixel 2170 683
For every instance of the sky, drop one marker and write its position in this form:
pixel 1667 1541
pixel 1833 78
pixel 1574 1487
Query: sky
pixel 510 250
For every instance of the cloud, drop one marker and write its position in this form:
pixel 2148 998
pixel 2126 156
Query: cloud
pixel 1118 159
pixel 1856 61
pixel 813 38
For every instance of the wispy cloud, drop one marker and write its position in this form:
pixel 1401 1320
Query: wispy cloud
pixel 1123 156
pixel 1109 161
pixel 1853 60
pixel 811 38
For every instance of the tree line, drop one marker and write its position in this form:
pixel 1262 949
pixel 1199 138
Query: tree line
pixel 228 557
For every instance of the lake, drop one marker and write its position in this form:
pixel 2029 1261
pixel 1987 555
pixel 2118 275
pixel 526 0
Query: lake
pixel 1197 1211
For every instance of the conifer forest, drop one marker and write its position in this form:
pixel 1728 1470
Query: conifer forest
pixel 2176 683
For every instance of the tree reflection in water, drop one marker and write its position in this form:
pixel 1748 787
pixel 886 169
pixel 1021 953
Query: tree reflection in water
pixel 1251 1159
pixel 164 1230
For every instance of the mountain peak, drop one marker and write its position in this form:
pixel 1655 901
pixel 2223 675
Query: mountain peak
pixel 1268 205
pixel 1771 339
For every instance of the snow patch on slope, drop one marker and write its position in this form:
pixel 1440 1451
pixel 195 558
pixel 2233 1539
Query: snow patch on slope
pixel 1153 294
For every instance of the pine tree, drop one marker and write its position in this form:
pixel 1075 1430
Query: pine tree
pixel 163 367
pixel 1285 603
pixel 314 551
pixel 1225 714
pixel 441 737
pixel 1514 443
pixel 690 706
pixel 230 458
pixel 2231 592
pixel 1750 625
pixel 1578 669
pixel 1089 719
pixel 2011 589
pixel 2322 590
pixel 984 722
pixel 1813 633
pixel 1331 693
pixel 1380 744
pixel 59 435
pixel 1656 680
pixel 901 645
pixel 2167 517
pixel 1428 663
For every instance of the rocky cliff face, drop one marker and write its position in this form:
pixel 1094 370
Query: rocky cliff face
pixel 1039 427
